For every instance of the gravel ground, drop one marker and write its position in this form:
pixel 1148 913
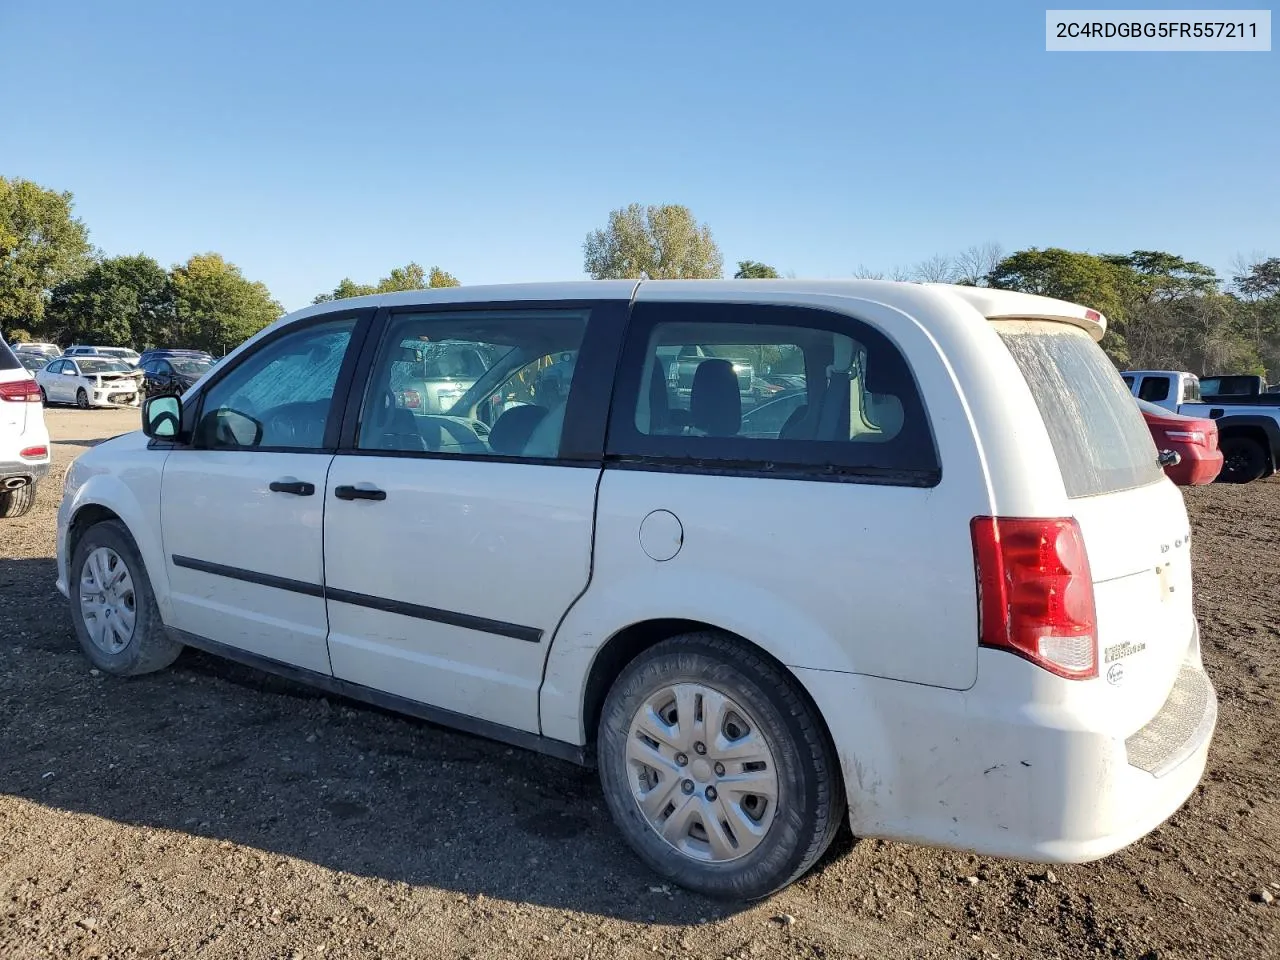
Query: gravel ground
pixel 208 811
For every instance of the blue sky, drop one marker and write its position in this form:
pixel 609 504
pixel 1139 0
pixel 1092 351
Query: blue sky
pixel 311 141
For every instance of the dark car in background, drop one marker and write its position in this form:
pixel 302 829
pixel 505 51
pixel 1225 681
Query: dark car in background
pixel 172 371
pixel 32 361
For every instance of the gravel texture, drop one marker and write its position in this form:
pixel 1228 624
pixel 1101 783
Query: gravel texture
pixel 210 811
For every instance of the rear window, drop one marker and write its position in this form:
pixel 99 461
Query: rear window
pixel 7 360
pixel 1099 437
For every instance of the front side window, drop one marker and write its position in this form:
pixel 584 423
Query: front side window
pixel 768 388
pixel 478 383
pixel 279 397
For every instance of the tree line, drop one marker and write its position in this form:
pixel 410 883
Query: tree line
pixel 55 286
pixel 1164 311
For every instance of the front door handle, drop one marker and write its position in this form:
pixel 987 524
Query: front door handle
pixel 299 488
pixel 347 492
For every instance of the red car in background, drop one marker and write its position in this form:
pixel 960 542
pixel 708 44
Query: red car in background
pixel 1194 439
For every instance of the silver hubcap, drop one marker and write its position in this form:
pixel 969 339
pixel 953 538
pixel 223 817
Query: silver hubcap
pixel 701 772
pixel 107 602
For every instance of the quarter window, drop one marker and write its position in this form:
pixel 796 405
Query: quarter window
pixel 777 389
pixel 479 383
pixel 281 396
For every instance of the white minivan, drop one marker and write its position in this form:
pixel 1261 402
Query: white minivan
pixel 936 585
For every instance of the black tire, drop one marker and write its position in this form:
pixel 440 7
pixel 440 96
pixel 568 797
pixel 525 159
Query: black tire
pixel 811 799
pixel 150 648
pixel 14 503
pixel 44 397
pixel 1243 460
pixel 82 399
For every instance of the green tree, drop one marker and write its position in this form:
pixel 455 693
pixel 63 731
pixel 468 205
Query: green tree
pixel 120 301
pixel 1261 281
pixel 217 308
pixel 1157 275
pixel 442 278
pixel 659 242
pixel 1082 278
pixel 41 244
pixel 409 277
pixel 755 270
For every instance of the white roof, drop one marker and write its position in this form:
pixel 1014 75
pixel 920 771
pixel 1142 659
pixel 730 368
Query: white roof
pixel 992 304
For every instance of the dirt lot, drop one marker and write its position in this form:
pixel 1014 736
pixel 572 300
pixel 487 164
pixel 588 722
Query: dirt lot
pixel 208 811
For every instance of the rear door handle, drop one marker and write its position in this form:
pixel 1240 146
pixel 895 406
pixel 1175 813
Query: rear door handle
pixel 299 488
pixel 347 492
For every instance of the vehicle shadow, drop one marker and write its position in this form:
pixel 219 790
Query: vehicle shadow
pixel 214 749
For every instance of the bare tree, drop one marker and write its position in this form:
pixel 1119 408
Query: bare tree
pixel 936 269
pixel 863 272
pixel 974 263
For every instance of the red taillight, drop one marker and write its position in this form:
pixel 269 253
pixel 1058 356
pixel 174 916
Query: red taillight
pixel 1035 593
pixel 410 398
pixel 1188 436
pixel 20 391
pixel 34 453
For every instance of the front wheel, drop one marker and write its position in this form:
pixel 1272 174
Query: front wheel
pixel 1243 460
pixel 82 399
pixel 716 768
pixel 44 397
pixel 112 606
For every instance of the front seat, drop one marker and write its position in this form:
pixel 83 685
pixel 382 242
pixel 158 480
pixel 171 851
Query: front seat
pixel 513 430
pixel 393 428
pixel 715 403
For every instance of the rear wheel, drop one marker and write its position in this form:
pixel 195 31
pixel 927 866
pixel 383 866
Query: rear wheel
pixel 1243 460
pixel 82 399
pixel 14 503
pixel 716 769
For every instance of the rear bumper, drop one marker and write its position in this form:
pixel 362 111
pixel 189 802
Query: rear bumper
pixel 31 471
pixel 1200 467
pixel 971 770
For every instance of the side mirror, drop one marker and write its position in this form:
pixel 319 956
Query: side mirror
pixel 162 417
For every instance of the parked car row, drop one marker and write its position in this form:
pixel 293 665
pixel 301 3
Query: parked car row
pixel 97 376
pixel 1247 420
pixel 974 627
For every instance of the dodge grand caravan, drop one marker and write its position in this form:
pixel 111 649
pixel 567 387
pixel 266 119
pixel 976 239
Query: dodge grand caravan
pixel 947 598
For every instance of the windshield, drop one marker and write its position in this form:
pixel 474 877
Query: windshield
pixel 33 361
pixel 193 367
pixel 102 366
pixel 124 352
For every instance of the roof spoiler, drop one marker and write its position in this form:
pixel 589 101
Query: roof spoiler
pixel 1011 305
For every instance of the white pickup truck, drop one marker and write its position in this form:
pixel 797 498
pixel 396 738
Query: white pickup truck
pixel 1248 426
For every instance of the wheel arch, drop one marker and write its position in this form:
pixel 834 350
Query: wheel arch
pixel 1249 429
pixel 631 641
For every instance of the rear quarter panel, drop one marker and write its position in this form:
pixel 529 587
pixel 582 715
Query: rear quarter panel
pixel 846 577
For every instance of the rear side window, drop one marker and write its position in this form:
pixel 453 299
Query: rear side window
pixel 1099 437
pixel 7 360
pixel 1154 389
pixel 769 390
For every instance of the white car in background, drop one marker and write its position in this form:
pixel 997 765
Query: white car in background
pixel 24 441
pixel 89 382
